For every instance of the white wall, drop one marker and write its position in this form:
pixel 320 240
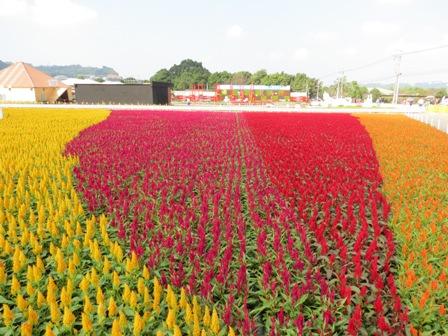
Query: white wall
pixel 17 95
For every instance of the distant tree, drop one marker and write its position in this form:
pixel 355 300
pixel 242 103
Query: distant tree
pixel 222 77
pixel 376 94
pixel 188 72
pixel 129 80
pixel 300 82
pixel 183 75
pixel 99 80
pixel 258 77
pixel 241 77
pixel 440 93
pixel 163 75
pixel 279 78
pixel 354 90
pixel 415 91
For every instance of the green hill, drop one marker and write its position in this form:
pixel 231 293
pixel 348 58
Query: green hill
pixel 74 70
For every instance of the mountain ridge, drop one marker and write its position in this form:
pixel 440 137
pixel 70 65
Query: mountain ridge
pixel 72 70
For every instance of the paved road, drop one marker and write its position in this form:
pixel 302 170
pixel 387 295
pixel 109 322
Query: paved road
pixel 436 120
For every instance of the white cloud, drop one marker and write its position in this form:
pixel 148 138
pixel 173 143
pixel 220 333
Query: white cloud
pixel 394 2
pixel 324 36
pixel 275 55
pixel 350 51
pixel 60 12
pixel 234 32
pixel 301 54
pixel 47 12
pixel 380 28
pixel 12 7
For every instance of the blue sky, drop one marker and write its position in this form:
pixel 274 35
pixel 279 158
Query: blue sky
pixel 317 37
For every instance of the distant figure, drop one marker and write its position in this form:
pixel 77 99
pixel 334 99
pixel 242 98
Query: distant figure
pixel 421 102
pixel 1 113
pixel 188 101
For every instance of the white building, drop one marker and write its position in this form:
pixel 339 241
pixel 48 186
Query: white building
pixel 22 83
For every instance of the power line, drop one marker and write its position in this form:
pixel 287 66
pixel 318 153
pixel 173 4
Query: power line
pixel 379 61
pixel 443 46
pixel 382 60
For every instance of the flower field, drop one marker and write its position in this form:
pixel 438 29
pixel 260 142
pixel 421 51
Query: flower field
pixel 203 223
pixel 414 162
pixel 63 270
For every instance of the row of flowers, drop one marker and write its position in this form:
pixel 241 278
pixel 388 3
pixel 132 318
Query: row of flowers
pixel 326 169
pixel 414 163
pixel 62 270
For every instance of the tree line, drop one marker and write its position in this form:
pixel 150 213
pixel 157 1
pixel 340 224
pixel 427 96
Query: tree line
pixel 190 72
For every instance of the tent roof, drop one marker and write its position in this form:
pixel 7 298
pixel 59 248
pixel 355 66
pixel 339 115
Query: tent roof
pixel 22 75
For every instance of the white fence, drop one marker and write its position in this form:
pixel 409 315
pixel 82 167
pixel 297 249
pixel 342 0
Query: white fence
pixel 436 120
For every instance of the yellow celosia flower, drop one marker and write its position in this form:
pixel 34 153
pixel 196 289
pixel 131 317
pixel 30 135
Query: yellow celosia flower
pixel 133 300
pixel 40 299
pixel 177 331
pixel 37 273
pixel 71 267
pixel 183 298
pixel 86 322
pixel 60 262
pixel 231 332
pixel 65 298
pixel 206 318
pixel 171 318
pixel 203 332
pixel 196 326
pixel 140 286
pixel 68 318
pixel 214 325
pixel 112 307
pixel 101 310
pixel 2 273
pixel 171 298
pixel 145 272
pixel 123 320
pixel 115 279
pixel 94 279
pixel 55 314
pixel 26 329
pixel 88 308
pixel 16 265
pixel 32 315
pixel 21 302
pixel 99 296
pixel 84 284
pixel 29 273
pixel 157 293
pixel 30 289
pixel 126 293
pixel 146 296
pixel 15 285
pixel 138 324
pixel 49 330
pixel 106 265
pixel 40 264
pixel 8 315
pixel 116 328
pixel 188 314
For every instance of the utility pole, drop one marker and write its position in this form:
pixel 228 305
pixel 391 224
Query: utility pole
pixel 338 88
pixel 397 59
